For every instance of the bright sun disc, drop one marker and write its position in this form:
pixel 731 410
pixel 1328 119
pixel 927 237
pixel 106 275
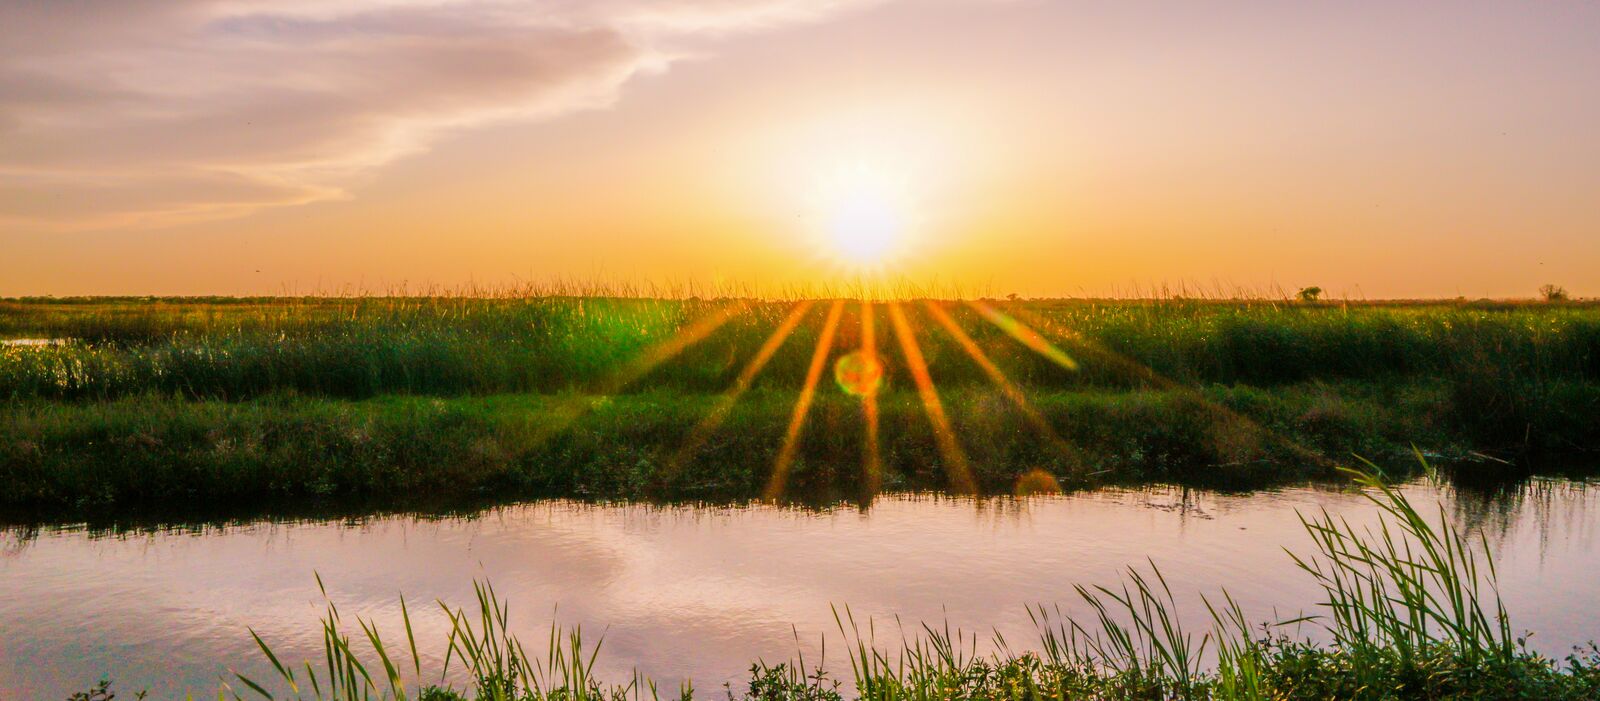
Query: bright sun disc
pixel 864 228
pixel 865 216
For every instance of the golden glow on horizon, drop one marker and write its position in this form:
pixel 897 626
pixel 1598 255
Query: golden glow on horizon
pixel 809 148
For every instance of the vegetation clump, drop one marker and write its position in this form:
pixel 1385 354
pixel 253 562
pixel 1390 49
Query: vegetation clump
pixel 1553 293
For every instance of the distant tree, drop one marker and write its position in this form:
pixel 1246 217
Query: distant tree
pixel 1012 297
pixel 1553 293
pixel 1309 294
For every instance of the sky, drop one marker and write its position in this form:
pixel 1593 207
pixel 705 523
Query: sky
pixel 1036 147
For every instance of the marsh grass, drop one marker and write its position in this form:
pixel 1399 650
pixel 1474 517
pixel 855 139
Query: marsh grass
pixel 95 460
pixel 454 346
pixel 1412 612
pixel 160 401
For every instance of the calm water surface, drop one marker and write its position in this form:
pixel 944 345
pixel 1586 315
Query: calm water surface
pixel 696 592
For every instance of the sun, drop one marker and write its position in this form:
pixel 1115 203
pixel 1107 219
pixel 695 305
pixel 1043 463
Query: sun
pixel 864 225
pixel 865 216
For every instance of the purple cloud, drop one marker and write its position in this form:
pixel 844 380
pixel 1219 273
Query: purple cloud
pixel 151 112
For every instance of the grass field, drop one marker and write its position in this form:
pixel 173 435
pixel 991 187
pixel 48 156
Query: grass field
pixel 152 402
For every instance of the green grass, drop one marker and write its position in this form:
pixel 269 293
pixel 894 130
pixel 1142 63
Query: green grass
pixel 163 401
pixel 1411 611
pixel 102 459
pixel 446 347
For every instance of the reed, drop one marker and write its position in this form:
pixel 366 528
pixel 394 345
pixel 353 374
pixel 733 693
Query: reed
pixel 363 347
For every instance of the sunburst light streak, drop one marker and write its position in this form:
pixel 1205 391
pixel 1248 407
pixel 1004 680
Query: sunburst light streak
pixel 802 405
pixel 1110 358
pixel 1027 336
pixel 956 468
pixel 998 377
pixel 708 425
pixel 666 350
pixel 872 465
pixel 571 409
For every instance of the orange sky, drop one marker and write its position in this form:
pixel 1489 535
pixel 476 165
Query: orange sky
pixel 1044 148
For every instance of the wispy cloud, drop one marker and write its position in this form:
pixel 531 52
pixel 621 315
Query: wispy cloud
pixel 151 112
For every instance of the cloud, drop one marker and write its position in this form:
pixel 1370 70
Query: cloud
pixel 122 113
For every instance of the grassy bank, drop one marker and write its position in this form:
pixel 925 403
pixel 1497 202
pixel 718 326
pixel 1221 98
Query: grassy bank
pixel 77 460
pixel 1410 610
pixel 156 402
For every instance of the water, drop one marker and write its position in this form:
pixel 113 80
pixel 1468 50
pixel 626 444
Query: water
pixel 696 592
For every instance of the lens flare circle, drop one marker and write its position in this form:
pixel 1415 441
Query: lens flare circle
pixel 859 374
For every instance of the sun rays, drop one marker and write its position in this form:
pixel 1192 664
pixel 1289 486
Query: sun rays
pixel 860 371
pixel 573 408
pixel 1025 335
pixel 1006 386
pixel 1117 362
pixel 802 406
pixel 703 430
pixel 957 471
